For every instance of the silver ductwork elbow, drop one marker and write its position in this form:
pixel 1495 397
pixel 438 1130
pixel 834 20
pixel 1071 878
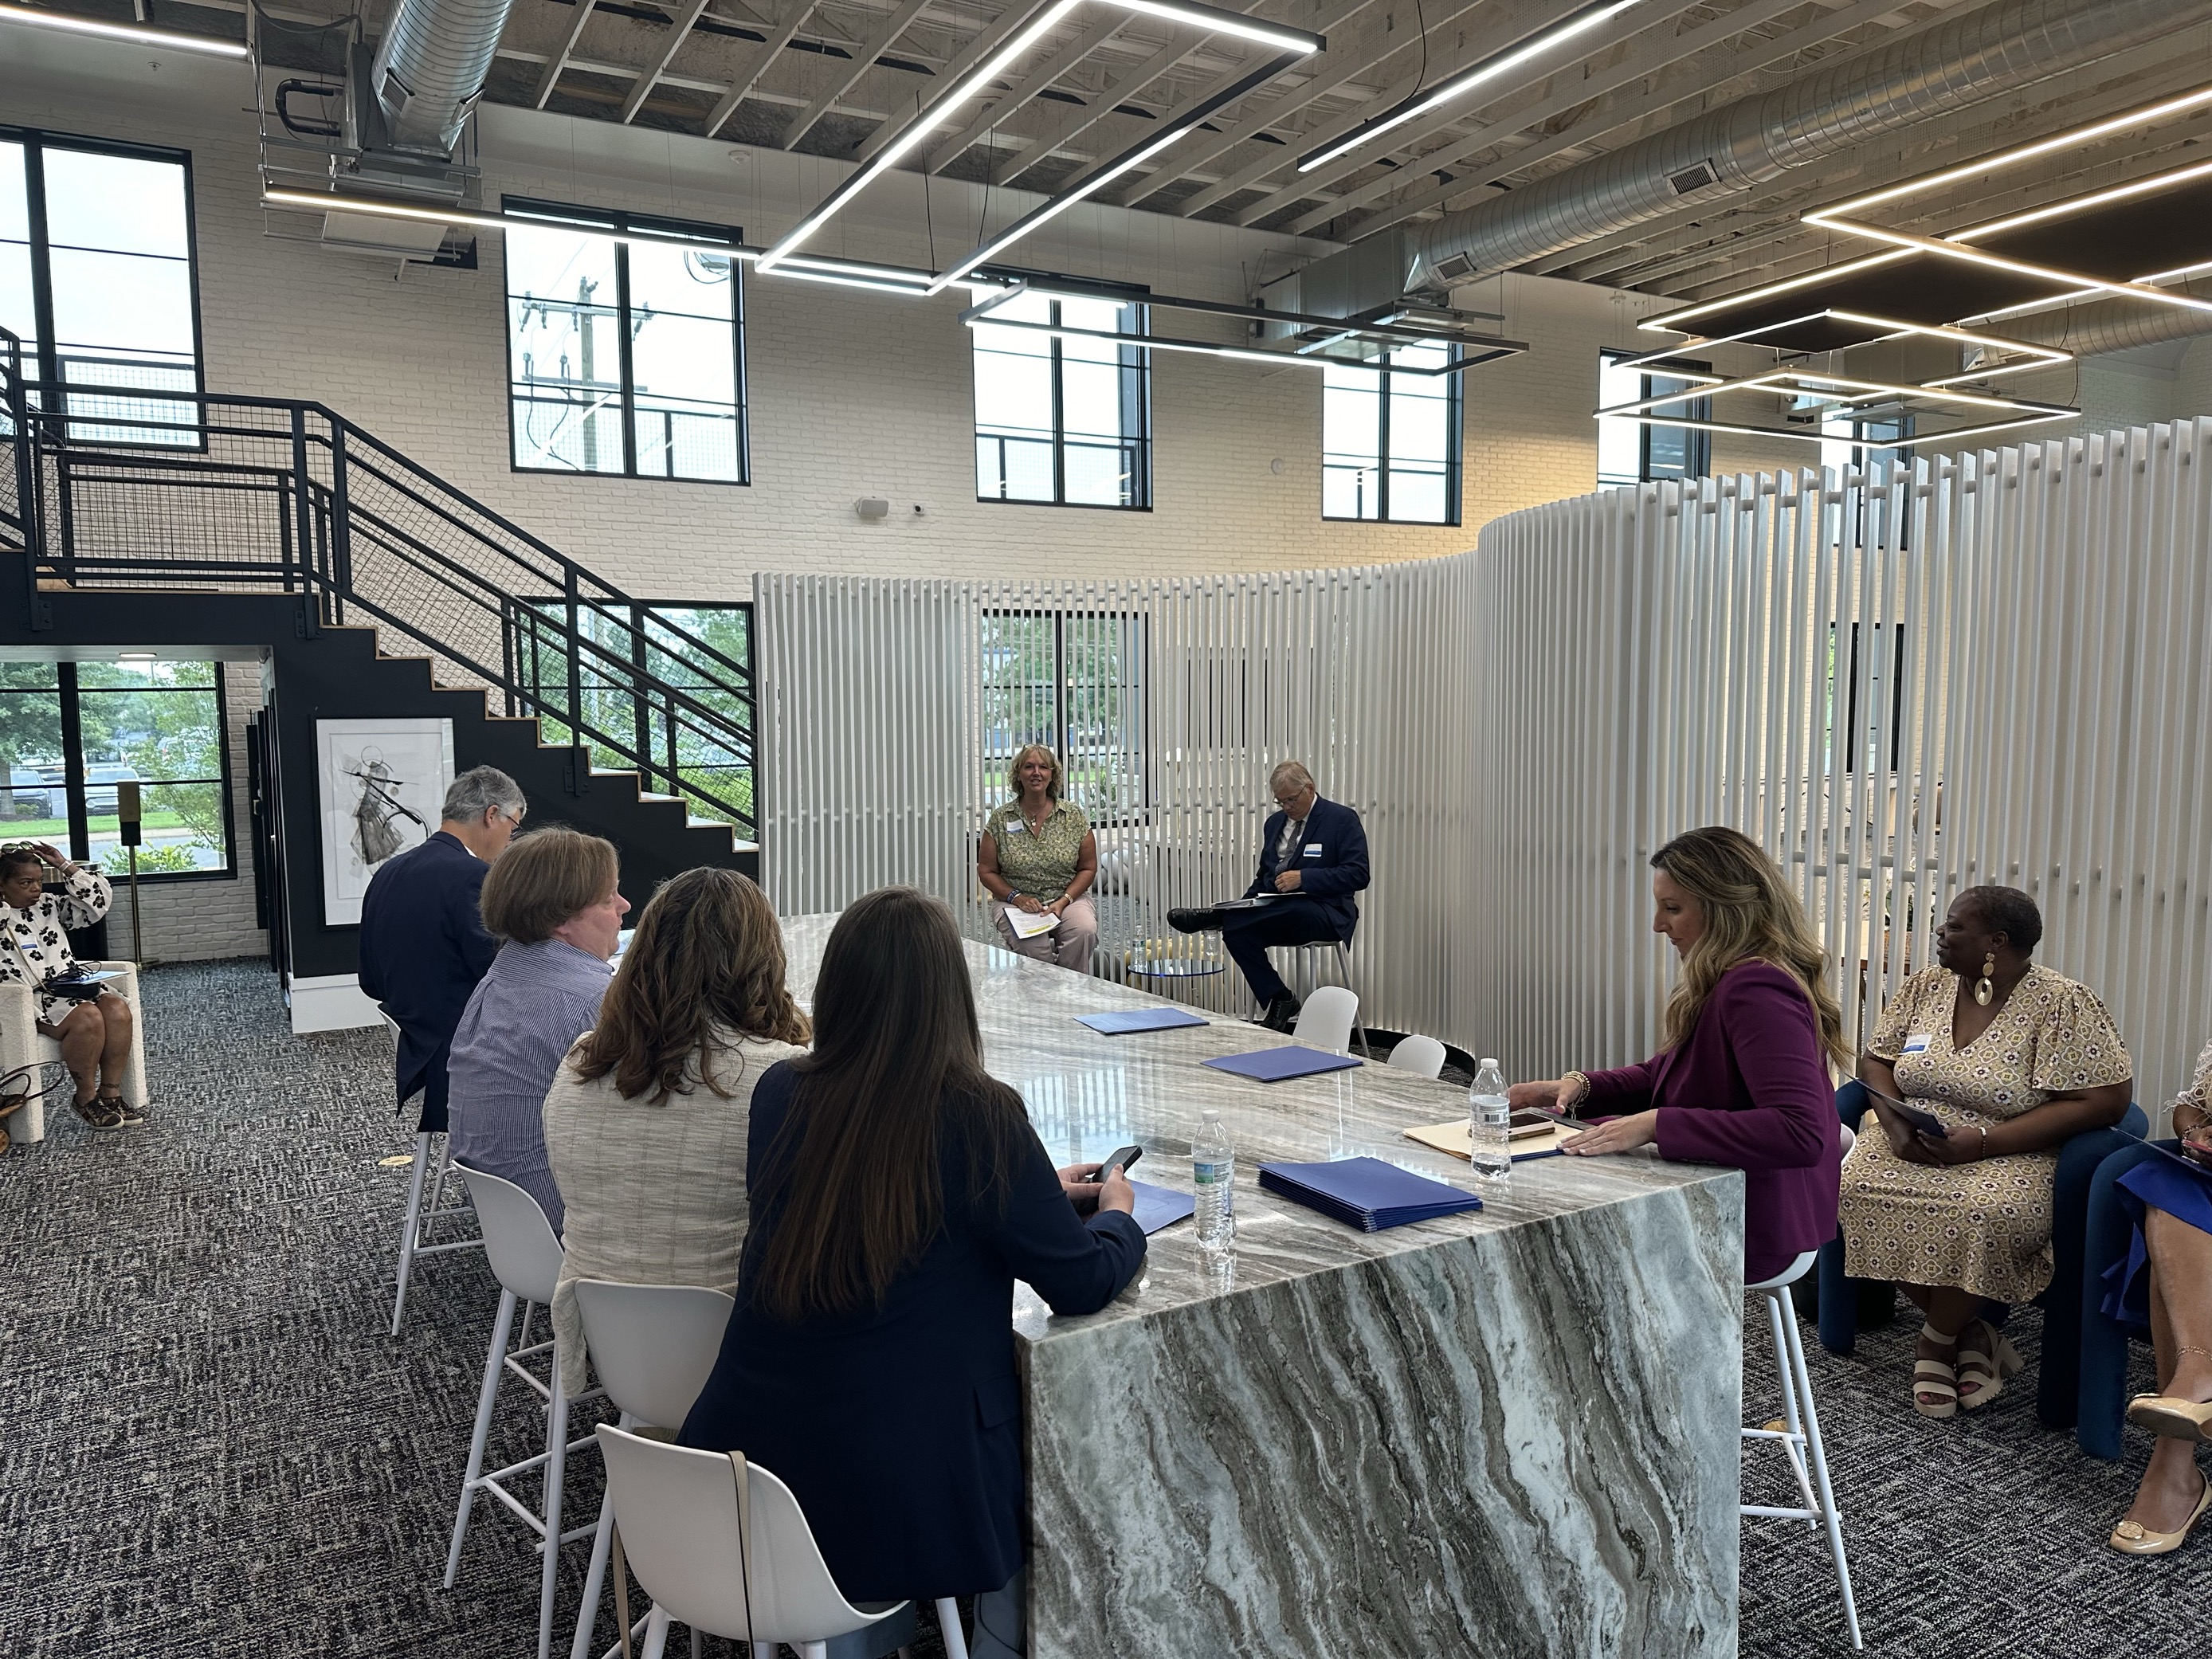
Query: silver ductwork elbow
pixel 430 67
pixel 1991 50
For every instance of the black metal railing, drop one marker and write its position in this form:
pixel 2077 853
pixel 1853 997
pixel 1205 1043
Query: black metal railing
pixel 269 495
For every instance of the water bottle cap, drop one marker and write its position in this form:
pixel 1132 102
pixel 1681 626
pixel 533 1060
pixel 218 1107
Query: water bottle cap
pixel 1209 1115
pixel 1490 1062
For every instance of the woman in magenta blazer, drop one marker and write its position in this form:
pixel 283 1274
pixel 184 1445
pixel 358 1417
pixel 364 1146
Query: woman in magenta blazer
pixel 1744 1079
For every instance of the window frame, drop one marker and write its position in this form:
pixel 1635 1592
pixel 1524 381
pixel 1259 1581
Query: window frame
pixel 1139 625
pixel 1455 450
pixel 76 786
pixel 1139 326
pixel 1700 443
pixel 35 142
pixel 528 210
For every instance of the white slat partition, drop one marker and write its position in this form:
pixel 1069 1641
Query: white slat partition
pixel 2024 630
pixel 872 748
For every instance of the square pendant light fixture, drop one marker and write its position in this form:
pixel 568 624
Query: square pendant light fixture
pixel 1839 396
pixel 1291 44
pixel 133 34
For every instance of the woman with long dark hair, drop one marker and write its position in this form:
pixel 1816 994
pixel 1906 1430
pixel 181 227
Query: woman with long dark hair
pixel 1751 1031
pixel 644 1125
pixel 898 1193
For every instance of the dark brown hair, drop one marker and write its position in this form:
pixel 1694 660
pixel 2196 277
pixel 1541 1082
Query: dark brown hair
pixel 545 877
pixel 897 1063
pixel 707 958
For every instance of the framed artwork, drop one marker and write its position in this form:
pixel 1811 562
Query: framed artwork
pixel 380 784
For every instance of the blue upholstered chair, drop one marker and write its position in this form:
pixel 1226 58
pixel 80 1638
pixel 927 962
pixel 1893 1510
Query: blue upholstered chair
pixel 2058 1386
pixel 2100 1405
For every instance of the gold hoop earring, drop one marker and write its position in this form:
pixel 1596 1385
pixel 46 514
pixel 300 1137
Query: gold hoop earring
pixel 1985 988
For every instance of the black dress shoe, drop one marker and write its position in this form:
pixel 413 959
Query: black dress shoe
pixel 1189 922
pixel 1282 1014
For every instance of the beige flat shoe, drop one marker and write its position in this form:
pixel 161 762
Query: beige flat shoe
pixel 2132 1538
pixel 2174 1418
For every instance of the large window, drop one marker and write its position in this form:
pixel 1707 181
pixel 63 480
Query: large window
pixel 1390 440
pixel 624 357
pixel 1074 681
pixel 70 733
pixel 683 758
pixel 96 278
pixel 1866 733
pixel 1062 419
pixel 1632 452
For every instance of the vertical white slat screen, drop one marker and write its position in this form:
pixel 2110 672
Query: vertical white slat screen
pixel 878 767
pixel 2023 632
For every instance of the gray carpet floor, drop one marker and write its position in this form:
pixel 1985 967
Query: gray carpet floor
pixel 209 1445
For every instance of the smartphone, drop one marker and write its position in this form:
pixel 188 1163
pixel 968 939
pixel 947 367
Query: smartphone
pixel 1926 1123
pixel 1121 1160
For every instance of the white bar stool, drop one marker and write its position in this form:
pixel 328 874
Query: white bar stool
pixel 1307 977
pixel 1800 1436
pixel 413 1238
pixel 526 1259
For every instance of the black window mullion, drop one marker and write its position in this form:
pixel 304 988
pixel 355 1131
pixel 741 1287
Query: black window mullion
pixel 1383 449
pixel 42 278
pixel 1059 416
pixel 629 386
pixel 80 818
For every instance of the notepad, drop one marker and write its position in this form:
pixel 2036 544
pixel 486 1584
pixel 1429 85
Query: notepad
pixel 1287 1060
pixel 1161 1207
pixel 1122 1021
pixel 1029 924
pixel 1452 1138
pixel 1365 1192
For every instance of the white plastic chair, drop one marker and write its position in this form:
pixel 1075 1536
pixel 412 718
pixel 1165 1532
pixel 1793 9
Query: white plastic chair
pixel 1800 1436
pixel 685 1536
pixel 654 1346
pixel 1327 1019
pixel 1422 1056
pixel 525 1258
pixel 22 1044
pixel 413 1231
pixel 1306 978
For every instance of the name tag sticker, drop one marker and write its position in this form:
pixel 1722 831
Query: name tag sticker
pixel 1313 849
pixel 1918 1043
pixel 1015 827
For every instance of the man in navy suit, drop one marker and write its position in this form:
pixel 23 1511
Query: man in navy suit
pixel 1313 856
pixel 423 947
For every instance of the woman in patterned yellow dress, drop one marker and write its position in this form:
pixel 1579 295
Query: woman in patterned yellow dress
pixel 2013 1059
pixel 1038 856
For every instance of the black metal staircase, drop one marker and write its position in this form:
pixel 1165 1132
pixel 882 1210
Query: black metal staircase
pixel 114 488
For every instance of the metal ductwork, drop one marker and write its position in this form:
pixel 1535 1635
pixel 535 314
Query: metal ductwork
pixel 2107 326
pixel 1992 49
pixel 430 67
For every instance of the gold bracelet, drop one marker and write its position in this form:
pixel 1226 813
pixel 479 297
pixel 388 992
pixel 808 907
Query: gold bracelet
pixel 1574 1089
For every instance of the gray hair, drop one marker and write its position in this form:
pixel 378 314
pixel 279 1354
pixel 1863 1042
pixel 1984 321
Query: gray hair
pixel 479 789
pixel 1291 771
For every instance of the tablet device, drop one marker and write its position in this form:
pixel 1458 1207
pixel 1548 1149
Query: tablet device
pixel 1924 1121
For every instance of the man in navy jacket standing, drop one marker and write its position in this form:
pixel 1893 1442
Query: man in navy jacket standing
pixel 1313 857
pixel 423 947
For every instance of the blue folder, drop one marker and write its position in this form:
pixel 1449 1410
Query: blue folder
pixel 1274 1065
pixel 1161 1207
pixel 1125 1020
pixel 1365 1192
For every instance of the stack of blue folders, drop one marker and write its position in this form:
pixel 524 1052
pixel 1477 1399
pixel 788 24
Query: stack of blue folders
pixel 1365 1192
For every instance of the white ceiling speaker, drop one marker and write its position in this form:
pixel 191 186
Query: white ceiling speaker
pixel 871 508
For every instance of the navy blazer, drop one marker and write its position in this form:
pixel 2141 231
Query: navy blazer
pixel 899 1430
pixel 423 949
pixel 1330 876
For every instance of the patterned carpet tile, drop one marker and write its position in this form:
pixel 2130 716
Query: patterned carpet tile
pixel 213 1446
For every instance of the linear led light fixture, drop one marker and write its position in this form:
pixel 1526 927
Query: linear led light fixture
pixel 979 316
pixel 1974 256
pixel 175 38
pixel 1852 391
pixel 1672 321
pixel 1475 74
pixel 1896 329
pixel 1298 42
pixel 983 253
pixel 325 201
pixel 1745 430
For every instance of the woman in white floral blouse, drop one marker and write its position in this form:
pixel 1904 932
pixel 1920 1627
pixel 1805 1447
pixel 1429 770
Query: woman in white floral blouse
pixel 94 1033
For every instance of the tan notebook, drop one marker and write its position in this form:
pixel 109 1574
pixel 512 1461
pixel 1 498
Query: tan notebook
pixel 1452 1138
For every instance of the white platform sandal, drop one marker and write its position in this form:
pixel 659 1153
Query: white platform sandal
pixel 1987 1366
pixel 1935 1384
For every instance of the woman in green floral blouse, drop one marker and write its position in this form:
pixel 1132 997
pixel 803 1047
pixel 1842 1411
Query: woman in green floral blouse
pixel 1038 857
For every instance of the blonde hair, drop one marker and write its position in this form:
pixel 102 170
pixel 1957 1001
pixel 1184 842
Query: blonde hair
pixel 546 876
pixel 706 958
pixel 1751 916
pixel 1014 769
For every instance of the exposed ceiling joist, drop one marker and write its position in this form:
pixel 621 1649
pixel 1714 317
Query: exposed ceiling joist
pixel 559 61
pixel 781 37
pixel 987 41
pixel 1081 118
pixel 847 75
pixel 689 14
pixel 1039 81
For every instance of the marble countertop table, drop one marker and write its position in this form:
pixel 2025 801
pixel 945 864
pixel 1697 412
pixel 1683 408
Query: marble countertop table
pixel 1513 1432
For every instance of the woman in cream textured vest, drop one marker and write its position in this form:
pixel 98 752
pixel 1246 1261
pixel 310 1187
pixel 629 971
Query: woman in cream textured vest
pixel 645 1126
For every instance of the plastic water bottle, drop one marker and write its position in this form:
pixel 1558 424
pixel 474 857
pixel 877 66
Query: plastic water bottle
pixel 1489 1123
pixel 1213 1183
